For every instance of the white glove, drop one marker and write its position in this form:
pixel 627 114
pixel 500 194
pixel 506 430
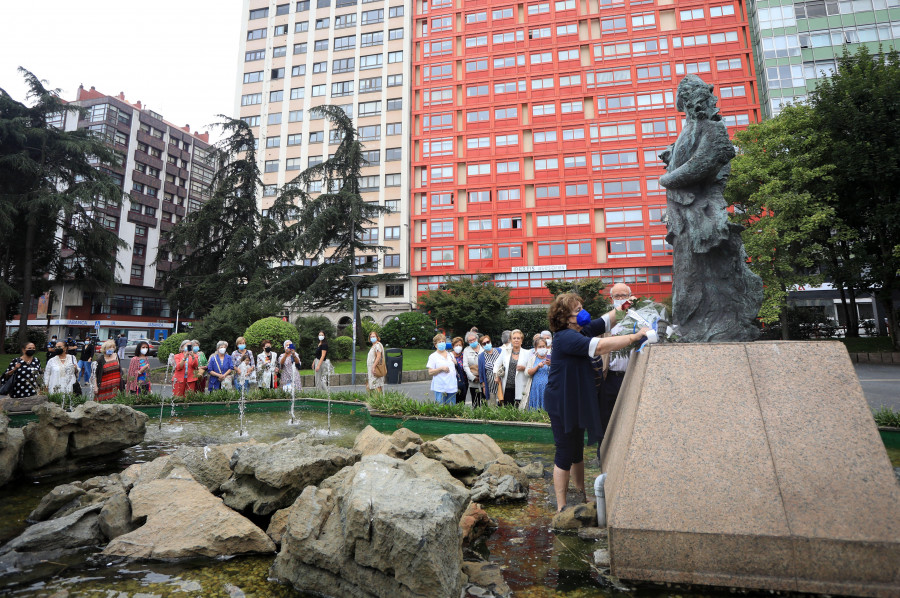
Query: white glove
pixel 652 337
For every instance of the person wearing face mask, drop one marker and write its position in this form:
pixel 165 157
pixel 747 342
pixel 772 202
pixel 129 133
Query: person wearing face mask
pixel 538 369
pixel 442 367
pixel 374 359
pixel 486 360
pixel 243 357
pixel 470 363
pixel 186 367
pixel 61 373
pixel 462 381
pixel 220 367
pixel 267 366
pixel 25 372
pixel 614 365
pixel 509 372
pixel 321 364
pixel 548 338
pixel 138 381
pixel 107 379
pixel 570 396
pixel 289 364
pixel 202 376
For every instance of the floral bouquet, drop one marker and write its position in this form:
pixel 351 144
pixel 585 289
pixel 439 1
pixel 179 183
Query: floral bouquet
pixel 640 313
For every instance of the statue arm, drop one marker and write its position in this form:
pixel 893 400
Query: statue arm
pixel 713 152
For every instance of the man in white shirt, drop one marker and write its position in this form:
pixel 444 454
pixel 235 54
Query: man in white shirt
pixel 622 298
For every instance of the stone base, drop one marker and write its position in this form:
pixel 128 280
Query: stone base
pixel 754 465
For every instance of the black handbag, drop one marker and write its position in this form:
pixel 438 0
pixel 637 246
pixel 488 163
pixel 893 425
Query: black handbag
pixel 7 385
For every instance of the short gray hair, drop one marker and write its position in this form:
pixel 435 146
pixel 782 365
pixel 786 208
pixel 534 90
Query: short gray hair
pixel 546 333
pixel 221 344
pixel 504 336
pixel 470 335
pixel 183 343
pixel 195 342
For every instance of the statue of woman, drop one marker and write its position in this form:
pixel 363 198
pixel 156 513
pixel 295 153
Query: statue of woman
pixel 715 296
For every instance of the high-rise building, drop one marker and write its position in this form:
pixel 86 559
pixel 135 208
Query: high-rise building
pixel 165 172
pixel 536 129
pixel 796 43
pixel 350 53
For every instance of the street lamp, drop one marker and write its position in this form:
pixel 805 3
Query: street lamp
pixel 354 279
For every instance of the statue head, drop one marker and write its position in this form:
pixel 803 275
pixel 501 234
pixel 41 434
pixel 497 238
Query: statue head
pixel 695 98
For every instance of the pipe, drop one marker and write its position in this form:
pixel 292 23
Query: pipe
pixel 600 497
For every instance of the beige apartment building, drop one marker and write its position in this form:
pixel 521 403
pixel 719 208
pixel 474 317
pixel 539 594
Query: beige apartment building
pixel 350 53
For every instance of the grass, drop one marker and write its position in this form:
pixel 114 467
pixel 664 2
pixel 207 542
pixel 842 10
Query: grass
pixel 394 403
pixel 217 396
pixel 5 360
pixel 886 417
pixel 413 359
pixel 872 344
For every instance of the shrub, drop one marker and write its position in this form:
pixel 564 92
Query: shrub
pixel 273 329
pixel 35 335
pixel 410 330
pixel 340 348
pixel 308 329
pixel 171 345
pixel 227 321
pixel 529 321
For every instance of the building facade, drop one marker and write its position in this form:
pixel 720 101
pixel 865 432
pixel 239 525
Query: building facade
pixel 536 130
pixel 164 172
pixel 354 54
pixel 796 43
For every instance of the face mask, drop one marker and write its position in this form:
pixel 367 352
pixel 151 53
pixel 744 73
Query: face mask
pixel 196 349
pixel 268 349
pixel 109 351
pixel 474 344
pixel 372 339
pixel 584 318
pixel 187 349
pixel 441 346
pixel 457 349
pixel 488 347
pixel 542 351
pixel 221 350
pixel 143 350
pixel 242 347
pixel 321 337
pixel 618 303
pixel 29 352
pixel 549 341
pixel 58 351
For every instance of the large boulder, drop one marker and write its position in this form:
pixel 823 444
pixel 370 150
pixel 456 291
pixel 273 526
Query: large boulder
pixel 183 519
pixel 429 468
pixel 90 430
pixel 402 444
pixel 81 528
pixel 490 488
pixel 380 530
pixel 115 517
pixel 68 498
pixel 268 477
pixel 463 453
pixel 11 453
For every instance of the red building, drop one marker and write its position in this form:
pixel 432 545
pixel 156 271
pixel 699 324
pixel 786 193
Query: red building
pixel 536 130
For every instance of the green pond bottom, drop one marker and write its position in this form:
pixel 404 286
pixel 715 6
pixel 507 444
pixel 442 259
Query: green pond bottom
pixel 536 563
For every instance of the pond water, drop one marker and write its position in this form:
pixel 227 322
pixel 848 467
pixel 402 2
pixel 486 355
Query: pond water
pixel 536 562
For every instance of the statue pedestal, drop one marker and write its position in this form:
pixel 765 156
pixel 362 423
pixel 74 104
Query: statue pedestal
pixel 754 465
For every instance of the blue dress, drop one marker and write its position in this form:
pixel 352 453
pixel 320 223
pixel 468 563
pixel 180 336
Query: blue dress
pixel 538 386
pixel 570 397
pixel 218 364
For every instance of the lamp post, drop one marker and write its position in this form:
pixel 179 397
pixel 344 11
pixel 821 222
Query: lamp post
pixel 355 279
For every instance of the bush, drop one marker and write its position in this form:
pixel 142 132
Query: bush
pixel 308 329
pixel 227 321
pixel 410 330
pixel 340 348
pixel 171 345
pixel 529 321
pixel 273 329
pixel 38 336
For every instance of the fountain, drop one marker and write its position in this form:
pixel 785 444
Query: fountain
pixel 162 401
pixel 242 403
pixel 293 372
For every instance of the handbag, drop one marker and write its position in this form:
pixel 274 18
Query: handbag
pixel 380 368
pixel 7 385
pixel 76 388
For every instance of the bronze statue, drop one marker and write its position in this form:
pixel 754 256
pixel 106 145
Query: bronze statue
pixel 715 296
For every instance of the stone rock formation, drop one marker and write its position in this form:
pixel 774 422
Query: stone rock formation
pixel 81 528
pixel 12 441
pixel 576 516
pixel 402 444
pixel 476 523
pixel 485 580
pixel 268 477
pixel 463 453
pixel 376 529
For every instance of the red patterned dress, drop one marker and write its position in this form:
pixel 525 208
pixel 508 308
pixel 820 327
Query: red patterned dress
pixel 110 381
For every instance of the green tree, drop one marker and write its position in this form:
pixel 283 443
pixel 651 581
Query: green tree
pixel 50 182
pixel 227 321
pixel 172 344
pixel 858 109
pixel 309 328
pixel 461 303
pixel 220 242
pixel 780 186
pixel 595 301
pixel 409 330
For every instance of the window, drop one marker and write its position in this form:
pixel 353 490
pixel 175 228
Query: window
pixel 438 47
pixel 137 271
pixel 437 122
pixel 509 86
pixel 478 116
pixel 394 80
pixel 279 51
pixel 576 189
pixel 569 107
pixel 260 13
pixel 254 55
pixel 537 9
pixel 394 129
pixel 395 33
pixel 273 142
pixel 323 23
pixel 615 160
pixel 479 169
pixel 253 77
pixel 391 233
pixel 276 96
pixel 507 140
pixel 550 220
pixel 781 46
pixel 293 164
pixel 547 83
pixel 301 27
pixel 392 205
pixel 737 90
pixel 343 65
pixel 476 17
pixel 395 11
pixel 274 118
pixel 509 37
pixel 613 25
pixel 478 224
pixel 278 73
pixel 541 58
pixel 295 116
pixel 779 77
pixel 347 42
pixel 256 34
pixel 513 222
pixel 300 48
pixel 371 39
pixel 369 108
pixel 320 45
pixel 392 260
pixel 509 194
pixel 344 21
pixel 546 164
pixel 372 61
pixel 441 200
pixel 442 256
pixel 281 30
pixel 565 5
pixel 571 54
pixel 252 121
pixel 370 133
pixel 630 247
pixel 627 216
pixel 544 136
pixel 480 252
pixel 480 64
pixel 251 99
pixel 435 72
pixel 295 139
pixel 298 71
pixel 271 166
pixel 503 13
pixel 368 183
pixel 316 136
pixel 282 9
pixel 509 251
pixel 574 162
pixel 643 21
pixel 393 290
pixel 543 109
pixel 507 167
pixel 302 6
pixel 570 29
pixel 392 154
pixel 504 113
pixel 318 90
pixel 441 228
pixel 395 104
pixel 341 88
pixel 370 17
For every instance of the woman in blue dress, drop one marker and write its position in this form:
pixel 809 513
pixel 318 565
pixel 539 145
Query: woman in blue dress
pixel 571 395
pixel 219 366
pixel 539 370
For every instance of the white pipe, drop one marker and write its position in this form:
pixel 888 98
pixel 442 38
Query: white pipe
pixel 600 497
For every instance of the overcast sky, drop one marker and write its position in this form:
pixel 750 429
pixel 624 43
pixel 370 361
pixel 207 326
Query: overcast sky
pixel 178 57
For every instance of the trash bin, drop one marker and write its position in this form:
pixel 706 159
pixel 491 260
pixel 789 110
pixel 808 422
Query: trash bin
pixel 394 362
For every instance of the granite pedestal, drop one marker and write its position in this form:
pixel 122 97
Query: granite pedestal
pixel 754 465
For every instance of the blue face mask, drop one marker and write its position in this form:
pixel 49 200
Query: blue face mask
pixel 488 347
pixel 584 318
pixel 196 349
pixel 474 344
pixel 109 351
pixel 187 349
pixel 242 347
pixel 441 346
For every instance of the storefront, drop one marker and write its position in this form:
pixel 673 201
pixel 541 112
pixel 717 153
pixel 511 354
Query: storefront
pixel 104 329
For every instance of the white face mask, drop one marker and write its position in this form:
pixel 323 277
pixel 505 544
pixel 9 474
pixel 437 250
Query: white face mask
pixel 144 351
pixel 549 341
pixel 457 349
pixel 221 350
pixel 321 337
pixel 618 303
pixel 542 351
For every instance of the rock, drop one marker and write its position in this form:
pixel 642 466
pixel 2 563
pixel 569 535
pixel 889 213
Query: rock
pixel 574 517
pixel 54 500
pixel 80 528
pixel 592 533
pixel 475 523
pixel 277 524
pixel 209 465
pixel 68 498
pixel 463 453
pixel 271 477
pixel 24 405
pixel 184 519
pixel 601 557
pixel 402 444
pixel 4 427
pixel 489 487
pixel 896 473
pixel 429 468
pixel 534 470
pixel 383 531
pixel 506 465
pixel 39 565
pixel 91 430
pixel 115 517
pixel 486 576
pixel 11 454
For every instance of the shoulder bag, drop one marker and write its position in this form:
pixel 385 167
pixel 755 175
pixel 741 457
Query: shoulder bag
pixel 380 369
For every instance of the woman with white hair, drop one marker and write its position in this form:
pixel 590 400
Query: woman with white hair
pixel 106 377
pixel 186 366
pixel 289 364
pixel 513 384
pixel 470 366
pixel 220 367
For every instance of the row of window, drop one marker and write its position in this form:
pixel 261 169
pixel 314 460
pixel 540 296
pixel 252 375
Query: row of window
pixel 368 17
pixel 652 274
pixel 787 15
pixel 369 61
pixel 782 46
pixel 614 217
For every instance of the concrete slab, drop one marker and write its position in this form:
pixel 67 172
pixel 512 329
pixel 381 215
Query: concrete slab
pixel 754 465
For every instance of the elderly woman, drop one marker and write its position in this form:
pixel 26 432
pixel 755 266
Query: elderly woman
pixel 513 384
pixel 220 368
pixel 462 381
pixel 470 366
pixel 289 364
pixel 138 370
pixel 486 360
pixel 442 367
pixel 186 367
pixel 202 376
pixel 373 359
pixel 267 366
pixel 571 396
pixel 538 369
pixel 106 379
pixel 62 370
pixel 244 364
pixel 26 372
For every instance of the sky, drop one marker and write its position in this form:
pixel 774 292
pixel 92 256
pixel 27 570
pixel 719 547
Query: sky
pixel 178 57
